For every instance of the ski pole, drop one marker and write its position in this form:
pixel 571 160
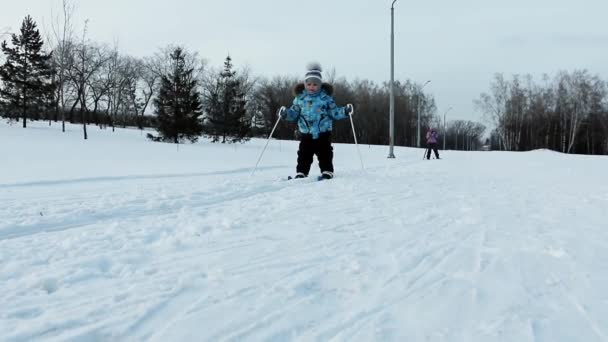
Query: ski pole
pixel 268 140
pixel 350 115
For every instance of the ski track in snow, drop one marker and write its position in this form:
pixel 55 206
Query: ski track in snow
pixel 401 253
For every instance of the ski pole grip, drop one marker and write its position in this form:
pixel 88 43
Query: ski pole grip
pixel 352 109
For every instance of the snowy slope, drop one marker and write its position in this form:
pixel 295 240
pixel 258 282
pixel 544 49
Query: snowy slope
pixel 121 239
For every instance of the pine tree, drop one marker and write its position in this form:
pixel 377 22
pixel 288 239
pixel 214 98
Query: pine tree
pixel 26 73
pixel 178 104
pixel 226 108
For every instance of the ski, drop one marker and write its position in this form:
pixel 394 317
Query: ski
pixel 318 178
pixel 295 178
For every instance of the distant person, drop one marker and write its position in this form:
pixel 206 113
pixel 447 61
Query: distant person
pixel 314 110
pixel 431 143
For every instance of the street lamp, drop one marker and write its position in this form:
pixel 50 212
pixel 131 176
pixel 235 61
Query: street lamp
pixel 418 111
pixel 391 133
pixel 444 136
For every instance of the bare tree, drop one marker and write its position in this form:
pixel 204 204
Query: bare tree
pixel 99 83
pixel 268 97
pixel 87 60
pixel 493 107
pixel 331 76
pixel 162 64
pixel 574 105
pixel 149 81
pixel 516 109
pixel 62 38
pixel 117 95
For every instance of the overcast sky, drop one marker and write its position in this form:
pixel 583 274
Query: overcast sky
pixel 458 45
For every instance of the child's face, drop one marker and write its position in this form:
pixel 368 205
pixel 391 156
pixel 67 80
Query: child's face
pixel 312 86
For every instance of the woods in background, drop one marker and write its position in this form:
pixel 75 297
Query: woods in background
pixel 566 113
pixel 69 78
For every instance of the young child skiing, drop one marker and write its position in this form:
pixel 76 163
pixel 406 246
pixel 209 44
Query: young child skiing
pixel 314 110
pixel 431 143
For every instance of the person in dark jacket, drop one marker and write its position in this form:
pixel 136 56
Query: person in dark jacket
pixel 314 110
pixel 431 143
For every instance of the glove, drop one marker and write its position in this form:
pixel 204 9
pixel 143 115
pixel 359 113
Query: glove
pixel 348 109
pixel 283 112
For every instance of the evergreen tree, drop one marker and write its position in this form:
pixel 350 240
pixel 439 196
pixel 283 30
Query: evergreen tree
pixel 26 73
pixel 226 112
pixel 178 105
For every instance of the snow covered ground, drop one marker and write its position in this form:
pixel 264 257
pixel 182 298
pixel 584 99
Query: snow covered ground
pixel 121 239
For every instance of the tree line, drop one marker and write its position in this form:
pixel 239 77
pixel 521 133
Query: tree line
pixel 83 82
pixel 566 113
pixel 69 78
pixel 75 80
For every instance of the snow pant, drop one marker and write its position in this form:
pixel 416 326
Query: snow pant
pixel 320 147
pixel 429 147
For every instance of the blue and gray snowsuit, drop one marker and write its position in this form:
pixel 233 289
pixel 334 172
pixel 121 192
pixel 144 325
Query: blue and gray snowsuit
pixel 314 114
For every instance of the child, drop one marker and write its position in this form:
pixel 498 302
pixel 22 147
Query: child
pixel 431 143
pixel 314 110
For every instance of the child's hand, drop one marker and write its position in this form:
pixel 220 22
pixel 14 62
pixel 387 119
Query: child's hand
pixel 348 109
pixel 283 112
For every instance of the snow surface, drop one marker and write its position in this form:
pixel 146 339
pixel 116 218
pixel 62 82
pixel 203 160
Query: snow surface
pixel 121 239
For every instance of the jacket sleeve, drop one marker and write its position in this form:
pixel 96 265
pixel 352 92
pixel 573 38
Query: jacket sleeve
pixel 293 112
pixel 335 112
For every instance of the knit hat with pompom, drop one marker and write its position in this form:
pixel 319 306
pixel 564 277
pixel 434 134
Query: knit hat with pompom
pixel 313 71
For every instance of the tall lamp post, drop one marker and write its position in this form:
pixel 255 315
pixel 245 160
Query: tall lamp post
pixel 444 136
pixel 391 133
pixel 418 113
